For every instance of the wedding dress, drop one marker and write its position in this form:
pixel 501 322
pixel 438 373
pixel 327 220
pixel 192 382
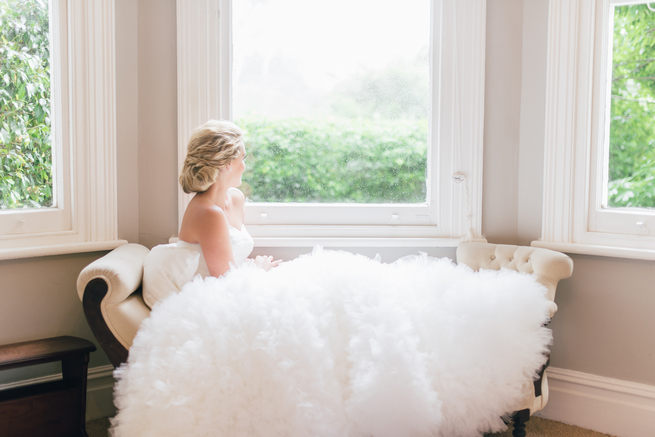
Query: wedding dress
pixel 242 244
pixel 331 344
pixel 168 267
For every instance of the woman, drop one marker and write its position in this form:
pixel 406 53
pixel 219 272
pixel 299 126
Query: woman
pixel 214 218
pixel 330 344
pixel 212 236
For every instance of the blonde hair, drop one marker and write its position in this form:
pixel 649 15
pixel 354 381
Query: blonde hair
pixel 212 147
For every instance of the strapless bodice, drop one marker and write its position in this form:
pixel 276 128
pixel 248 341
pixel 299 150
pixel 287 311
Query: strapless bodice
pixel 242 243
pixel 169 266
pixel 240 240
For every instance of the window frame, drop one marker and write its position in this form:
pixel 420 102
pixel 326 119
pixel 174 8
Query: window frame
pixel 576 139
pixel 454 159
pixel 83 95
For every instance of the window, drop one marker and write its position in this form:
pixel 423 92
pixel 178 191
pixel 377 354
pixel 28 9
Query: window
pixel 26 148
pixel 57 178
pixel 366 124
pixel 629 181
pixel 333 117
pixel 600 141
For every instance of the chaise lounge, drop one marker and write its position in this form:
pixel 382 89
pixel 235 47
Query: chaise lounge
pixel 110 290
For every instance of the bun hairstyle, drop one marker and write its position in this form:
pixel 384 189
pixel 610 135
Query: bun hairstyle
pixel 212 147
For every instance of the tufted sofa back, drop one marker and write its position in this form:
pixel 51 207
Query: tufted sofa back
pixel 547 265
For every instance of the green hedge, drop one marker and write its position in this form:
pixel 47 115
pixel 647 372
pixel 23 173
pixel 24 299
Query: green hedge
pixel 315 161
pixel 296 160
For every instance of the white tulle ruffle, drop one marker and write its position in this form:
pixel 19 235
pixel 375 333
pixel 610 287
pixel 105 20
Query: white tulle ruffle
pixel 335 344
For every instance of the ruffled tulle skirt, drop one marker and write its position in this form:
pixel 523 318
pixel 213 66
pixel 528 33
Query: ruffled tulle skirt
pixel 336 344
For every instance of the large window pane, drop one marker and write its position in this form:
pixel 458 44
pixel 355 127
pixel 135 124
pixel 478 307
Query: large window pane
pixel 25 146
pixel 334 97
pixel 632 126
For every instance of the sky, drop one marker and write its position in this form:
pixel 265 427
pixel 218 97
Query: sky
pixel 297 51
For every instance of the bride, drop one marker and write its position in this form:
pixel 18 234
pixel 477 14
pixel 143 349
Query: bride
pixel 214 218
pixel 212 237
pixel 328 344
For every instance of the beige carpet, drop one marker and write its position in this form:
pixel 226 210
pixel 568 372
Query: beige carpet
pixel 536 427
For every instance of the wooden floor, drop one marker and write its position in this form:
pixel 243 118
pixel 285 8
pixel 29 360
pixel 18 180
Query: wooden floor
pixel 536 427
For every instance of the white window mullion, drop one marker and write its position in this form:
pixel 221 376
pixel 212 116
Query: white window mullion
pixel 202 59
pixel 561 111
pixel 93 143
pixel 585 104
pixel 61 157
pixel 461 115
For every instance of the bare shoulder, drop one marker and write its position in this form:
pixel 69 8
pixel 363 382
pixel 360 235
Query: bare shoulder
pixel 201 220
pixel 212 215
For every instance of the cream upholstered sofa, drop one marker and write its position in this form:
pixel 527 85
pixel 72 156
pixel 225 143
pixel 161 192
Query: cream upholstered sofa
pixel 549 267
pixel 110 291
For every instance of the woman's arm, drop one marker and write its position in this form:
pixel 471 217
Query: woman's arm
pixel 214 238
pixel 238 202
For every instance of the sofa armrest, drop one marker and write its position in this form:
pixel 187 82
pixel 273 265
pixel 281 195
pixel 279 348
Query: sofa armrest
pixel 109 289
pixel 121 269
pixel 548 267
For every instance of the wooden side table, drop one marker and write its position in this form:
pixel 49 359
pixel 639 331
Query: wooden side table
pixel 50 409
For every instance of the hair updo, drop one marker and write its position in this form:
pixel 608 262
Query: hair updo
pixel 212 147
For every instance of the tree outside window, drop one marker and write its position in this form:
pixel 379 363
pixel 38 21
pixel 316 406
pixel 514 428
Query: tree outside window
pixel 335 106
pixel 632 126
pixel 25 145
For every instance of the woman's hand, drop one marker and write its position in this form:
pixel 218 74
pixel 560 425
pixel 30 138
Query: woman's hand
pixel 266 262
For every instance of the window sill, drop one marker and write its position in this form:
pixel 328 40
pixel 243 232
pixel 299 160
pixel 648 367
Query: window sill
pixel 597 250
pixel 354 242
pixel 59 249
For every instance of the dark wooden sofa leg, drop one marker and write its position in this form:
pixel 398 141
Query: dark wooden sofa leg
pixel 519 419
pixel 94 292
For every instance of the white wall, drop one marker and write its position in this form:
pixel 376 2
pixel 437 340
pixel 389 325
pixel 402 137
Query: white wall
pixel 157 135
pixel 127 118
pixel 502 116
pixel 533 113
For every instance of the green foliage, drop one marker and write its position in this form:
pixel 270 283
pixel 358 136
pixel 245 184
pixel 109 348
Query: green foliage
pixel 381 159
pixel 25 150
pixel 298 160
pixel 632 131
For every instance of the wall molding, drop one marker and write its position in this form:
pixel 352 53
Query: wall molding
pixel 614 406
pixel 609 405
pixel 99 394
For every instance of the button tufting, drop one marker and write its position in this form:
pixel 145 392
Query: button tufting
pixel 492 257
